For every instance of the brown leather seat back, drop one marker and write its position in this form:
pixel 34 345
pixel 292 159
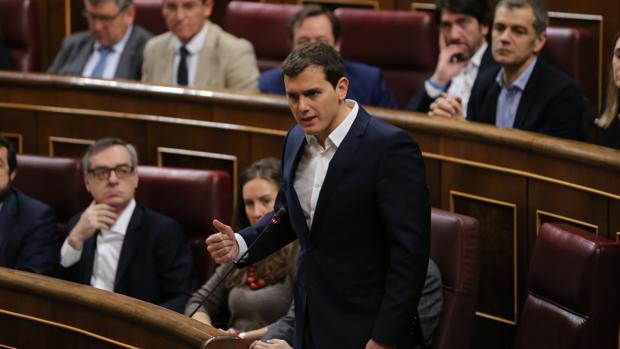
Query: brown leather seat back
pixel 55 181
pixel 191 197
pixel 149 16
pixel 403 44
pixel 455 248
pixel 573 287
pixel 572 51
pixel 264 25
pixel 19 31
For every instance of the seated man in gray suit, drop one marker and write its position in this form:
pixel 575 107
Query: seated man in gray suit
pixel 198 53
pixel 112 48
pixel 281 334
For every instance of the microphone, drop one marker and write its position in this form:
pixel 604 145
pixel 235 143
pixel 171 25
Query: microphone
pixel 239 263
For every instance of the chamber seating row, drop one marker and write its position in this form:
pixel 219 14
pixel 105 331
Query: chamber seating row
pixel 192 197
pixel 407 57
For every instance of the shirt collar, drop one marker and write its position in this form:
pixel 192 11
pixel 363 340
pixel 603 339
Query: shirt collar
pixel 121 224
pixel 337 135
pixel 521 81
pixel 195 44
pixel 120 45
pixel 476 59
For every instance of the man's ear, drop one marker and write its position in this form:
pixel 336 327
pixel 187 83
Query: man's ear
pixel 540 41
pixel 342 87
pixel 337 45
pixel 12 175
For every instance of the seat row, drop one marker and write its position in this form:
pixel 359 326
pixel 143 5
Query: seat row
pixel 407 58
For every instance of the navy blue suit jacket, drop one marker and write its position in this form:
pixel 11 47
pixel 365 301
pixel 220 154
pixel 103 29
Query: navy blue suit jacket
pixel 28 239
pixel 551 102
pixel 362 263
pixel 155 264
pixel 366 85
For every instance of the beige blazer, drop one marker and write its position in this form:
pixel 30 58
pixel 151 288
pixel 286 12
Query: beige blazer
pixel 225 61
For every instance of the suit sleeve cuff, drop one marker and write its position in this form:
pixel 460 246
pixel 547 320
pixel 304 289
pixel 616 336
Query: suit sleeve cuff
pixel 433 89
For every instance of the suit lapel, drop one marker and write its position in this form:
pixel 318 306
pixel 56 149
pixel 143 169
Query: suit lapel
pixel 163 72
pixel 130 243
pixel 7 217
pixel 208 64
pixel 297 145
pixel 524 111
pixel 88 256
pixel 82 56
pixel 127 56
pixel 339 163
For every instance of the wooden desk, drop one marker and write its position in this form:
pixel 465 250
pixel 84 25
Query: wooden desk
pixel 511 180
pixel 42 312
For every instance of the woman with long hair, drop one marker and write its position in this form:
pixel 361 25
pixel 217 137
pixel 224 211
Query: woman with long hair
pixel 609 122
pixel 257 295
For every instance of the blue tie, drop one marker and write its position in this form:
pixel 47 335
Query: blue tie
pixel 103 57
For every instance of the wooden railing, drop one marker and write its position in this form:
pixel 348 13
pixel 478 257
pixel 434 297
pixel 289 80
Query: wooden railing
pixel 512 181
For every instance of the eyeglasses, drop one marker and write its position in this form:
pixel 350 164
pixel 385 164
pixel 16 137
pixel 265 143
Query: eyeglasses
pixel 103 173
pixel 105 19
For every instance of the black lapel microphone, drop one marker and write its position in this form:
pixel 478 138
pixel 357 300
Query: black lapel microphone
pixel 240 263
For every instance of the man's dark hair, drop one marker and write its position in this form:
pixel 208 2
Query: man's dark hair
pixel 312 11
pixel 316 53
pixel 105 143
pixel 122 4
pixel 478 9
pixel 11 155
pixel 541 18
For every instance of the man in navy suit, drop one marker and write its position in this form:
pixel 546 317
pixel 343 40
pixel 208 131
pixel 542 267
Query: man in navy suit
pixel 523 92
pixel 112 48
pixel 27 226
pixel 315 24
pixel 117 244
pixel 357 201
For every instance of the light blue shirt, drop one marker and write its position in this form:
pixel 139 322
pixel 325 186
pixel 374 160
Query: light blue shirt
pixel 510 96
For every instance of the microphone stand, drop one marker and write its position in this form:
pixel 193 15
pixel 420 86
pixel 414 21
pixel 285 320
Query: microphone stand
pixel 274 220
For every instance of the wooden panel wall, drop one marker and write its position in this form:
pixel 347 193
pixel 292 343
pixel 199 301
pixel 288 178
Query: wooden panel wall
pixel 510 180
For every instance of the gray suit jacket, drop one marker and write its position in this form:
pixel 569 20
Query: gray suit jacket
pixel 225 61
pixel 77 48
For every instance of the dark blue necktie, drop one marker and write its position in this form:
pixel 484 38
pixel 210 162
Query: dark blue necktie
pixel 182 72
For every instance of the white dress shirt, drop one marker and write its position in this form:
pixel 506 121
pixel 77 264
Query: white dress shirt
pixel 314 163
pixel 107 254
pixel 462 83
pixel 312 168
pixel 194 47
pixel 112 60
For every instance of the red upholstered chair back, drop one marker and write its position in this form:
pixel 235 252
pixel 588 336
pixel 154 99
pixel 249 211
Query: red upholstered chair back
pixel 193 198
pixel 572 51
pixel 403 44
pixel 149 17
pixel 573 287
pixel 55 181
pixel 455 248
pixel 264 25
pixel 19 31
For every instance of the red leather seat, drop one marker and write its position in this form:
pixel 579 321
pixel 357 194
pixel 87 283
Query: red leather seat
pixel 149 16
pixel 572 51
pixel 55 181
pixel 191 197
pixel 265 26
pixel 403 44
pixel 19 31
pixel 573 288
pixel 455 248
